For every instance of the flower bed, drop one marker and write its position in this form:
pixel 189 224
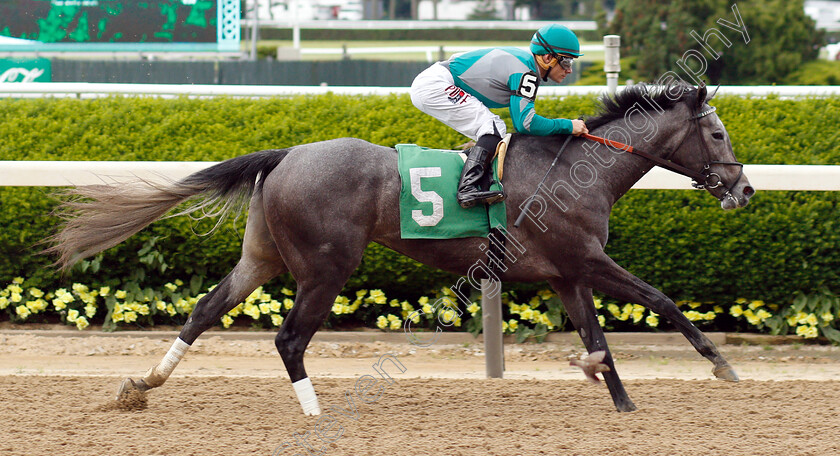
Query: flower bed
pixel 807 316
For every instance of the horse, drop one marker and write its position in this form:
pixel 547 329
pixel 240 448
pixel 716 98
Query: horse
pixel 313 208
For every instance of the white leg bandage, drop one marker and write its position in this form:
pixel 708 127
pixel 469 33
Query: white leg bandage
pixel 306 395
pixel 158 374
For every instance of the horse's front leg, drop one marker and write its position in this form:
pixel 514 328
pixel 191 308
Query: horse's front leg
pixel 605 275
pixel 579 306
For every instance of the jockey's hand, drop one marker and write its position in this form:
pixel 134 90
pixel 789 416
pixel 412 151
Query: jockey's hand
pixel 578 127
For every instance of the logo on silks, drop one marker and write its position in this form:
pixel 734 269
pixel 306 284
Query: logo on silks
pixel 36 70
pixel 456 95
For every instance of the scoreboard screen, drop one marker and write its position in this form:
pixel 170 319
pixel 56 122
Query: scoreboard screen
pixel 67 22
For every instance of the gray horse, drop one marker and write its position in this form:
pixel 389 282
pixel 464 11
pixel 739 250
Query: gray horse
pixel 315 207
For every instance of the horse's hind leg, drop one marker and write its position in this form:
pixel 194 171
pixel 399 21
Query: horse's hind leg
pixel 259 263
pixel 579 306
pixel 321 268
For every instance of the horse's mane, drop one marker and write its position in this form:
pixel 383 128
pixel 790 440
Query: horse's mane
pixel 614 107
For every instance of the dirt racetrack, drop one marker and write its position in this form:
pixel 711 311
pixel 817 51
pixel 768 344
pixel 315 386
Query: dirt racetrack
pixel 231 396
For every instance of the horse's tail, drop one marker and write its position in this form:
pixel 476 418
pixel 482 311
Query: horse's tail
pixel 98 217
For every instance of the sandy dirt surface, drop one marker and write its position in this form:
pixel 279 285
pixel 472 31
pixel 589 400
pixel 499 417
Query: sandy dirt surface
pixel 231 396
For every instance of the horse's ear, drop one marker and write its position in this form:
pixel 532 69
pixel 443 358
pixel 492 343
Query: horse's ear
pixel 712 95
pixel 701 95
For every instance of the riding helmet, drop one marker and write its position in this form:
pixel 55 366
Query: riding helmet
pixel 555 39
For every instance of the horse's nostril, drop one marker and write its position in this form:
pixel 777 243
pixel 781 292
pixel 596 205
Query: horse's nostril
pixel 749 191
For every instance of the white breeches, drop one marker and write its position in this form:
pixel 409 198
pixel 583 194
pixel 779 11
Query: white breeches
pixel 435 93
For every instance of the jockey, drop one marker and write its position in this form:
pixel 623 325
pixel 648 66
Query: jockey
pixel 460 91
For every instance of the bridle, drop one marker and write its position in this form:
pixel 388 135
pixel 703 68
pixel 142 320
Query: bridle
pixel 704 179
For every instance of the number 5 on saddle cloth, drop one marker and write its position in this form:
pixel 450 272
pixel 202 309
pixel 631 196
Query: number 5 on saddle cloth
pixel 428 205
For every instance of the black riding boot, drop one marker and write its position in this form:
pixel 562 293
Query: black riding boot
pixel 479 160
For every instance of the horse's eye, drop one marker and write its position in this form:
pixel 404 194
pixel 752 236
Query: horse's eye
pixel 717 135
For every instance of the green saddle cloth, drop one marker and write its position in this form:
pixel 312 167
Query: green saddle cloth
pixel 428 205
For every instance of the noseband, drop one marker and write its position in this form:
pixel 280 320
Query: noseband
pixel 704 179
pixel 710 179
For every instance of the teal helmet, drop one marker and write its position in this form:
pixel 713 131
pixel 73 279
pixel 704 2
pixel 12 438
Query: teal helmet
pixel 555 39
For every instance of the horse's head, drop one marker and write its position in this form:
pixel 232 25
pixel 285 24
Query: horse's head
pixel 706 147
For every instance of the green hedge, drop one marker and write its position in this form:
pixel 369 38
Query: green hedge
pixel 679 241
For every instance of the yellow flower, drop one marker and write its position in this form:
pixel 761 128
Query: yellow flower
pixel 170 309
pixel 692 315
pixel 377 296
pixel 513 324
pixel 811 319
pixel 22 312
pixel 740 301
pixel 17 280
pixel 275 306
pixel 16 297
pixel 4 302
pixel 415 317
pixel 504 326
pixel 160 305
pixel 382 322
pixel 130 316
pixel 227 321
pixel 652 320
pixel 120 294
pixel 86 297
pixel 104 291
pixel 394 324
pixel 763 314
pixel 473 309
pixel 448 316
pixel 143 309
pixel 14 289
pixel 179 282
pixel 361 293
pixel 394 303
pixel 117 317
pixel 545 295
pixel 82 323
pixel 694 304
pixel 534 302
pixel 614 310
pixel 427 310
pixel 79 288
pixel 287 292
pixel 252 311
pixel 265 308
pixel 808 332
pixel 597 302
pixel 276 319
pixel 710 315
pixel 601 320
pixel 736 311
pixel 423 300
pixel 36 293
pixel 90 311
pixel 72 315
pixel 756 304
pixel 170 286
pixel 288 303
pixel 752 318
pixel 827 317
pixel 717 309
pixel 626 311
pixel 638 313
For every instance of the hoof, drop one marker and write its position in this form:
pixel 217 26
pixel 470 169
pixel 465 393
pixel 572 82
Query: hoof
pixel 130 385
pixel 725 373
pixel 628 406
